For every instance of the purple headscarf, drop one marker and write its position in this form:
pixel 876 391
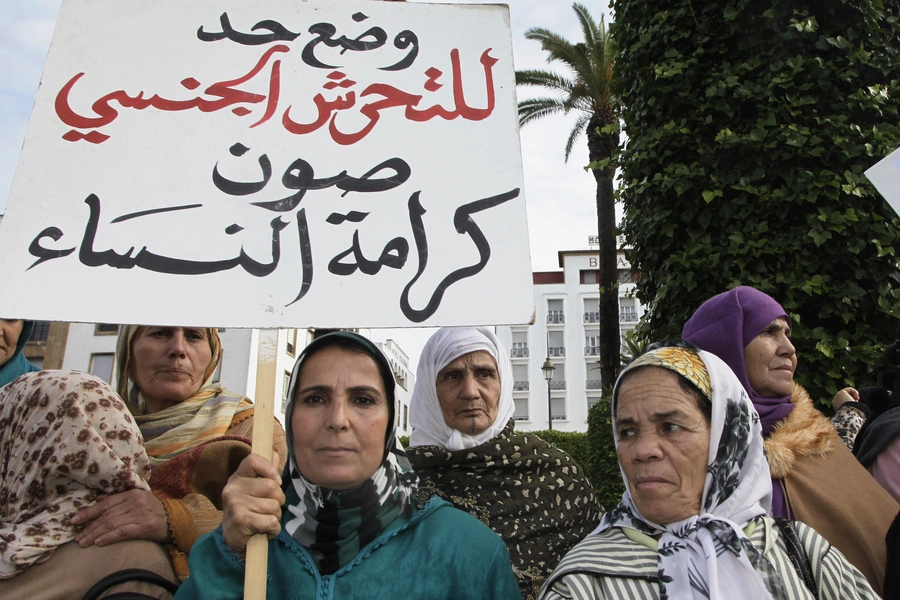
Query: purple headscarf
pixel 724 325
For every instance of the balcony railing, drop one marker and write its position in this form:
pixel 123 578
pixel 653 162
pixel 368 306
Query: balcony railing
pixel 556 316
pixel 593 384
pixel 557 384
pixel 627 316
pixel 559 417
pixel 592 351
pixel 518 352
pixel 520 418
pixel 519 386
pixel 591 317
pixel 556 351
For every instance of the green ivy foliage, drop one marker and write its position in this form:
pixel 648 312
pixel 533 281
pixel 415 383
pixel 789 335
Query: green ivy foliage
pixel 603 465
pixel 573 443
pixel 749 126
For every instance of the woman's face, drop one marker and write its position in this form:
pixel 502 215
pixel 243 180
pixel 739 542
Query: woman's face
pixel 468 389
pixel 771 360
pixel 663 445
pixel 339 419
pixel 10 330
pixel 168 364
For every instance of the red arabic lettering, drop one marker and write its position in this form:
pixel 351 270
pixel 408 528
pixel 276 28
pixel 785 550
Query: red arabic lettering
pixel 224 91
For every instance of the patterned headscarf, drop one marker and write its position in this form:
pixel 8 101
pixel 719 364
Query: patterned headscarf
pixel 724 325
pixel 206 415
pixel 708 555
pixel 66 437
pixel 334 525
pixel 425 415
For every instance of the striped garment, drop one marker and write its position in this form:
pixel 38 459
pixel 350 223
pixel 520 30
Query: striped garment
pixel 609 565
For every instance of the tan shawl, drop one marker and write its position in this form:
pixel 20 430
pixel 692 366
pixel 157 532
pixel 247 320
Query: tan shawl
pixel 827 488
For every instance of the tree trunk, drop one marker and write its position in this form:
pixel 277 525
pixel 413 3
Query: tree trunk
pixel 601 146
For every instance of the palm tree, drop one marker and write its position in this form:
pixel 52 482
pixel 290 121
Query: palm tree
pixel 585 90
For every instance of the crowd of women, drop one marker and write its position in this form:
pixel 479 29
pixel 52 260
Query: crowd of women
pixel 735 484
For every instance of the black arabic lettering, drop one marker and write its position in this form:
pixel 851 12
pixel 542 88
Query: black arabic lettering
pixel 235 188
pixel 278 33
pixel 371 39
pixel 300 176
pixel 393 255
pixel 402 41
pixel 149 261
pixel 45 254
pixel 465 225
pixel 306 260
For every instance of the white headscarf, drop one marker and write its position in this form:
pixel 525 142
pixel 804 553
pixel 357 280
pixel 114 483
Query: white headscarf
pixel 425 416
pixel 708 555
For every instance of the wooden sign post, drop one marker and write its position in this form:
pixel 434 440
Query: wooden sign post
pixel 263 416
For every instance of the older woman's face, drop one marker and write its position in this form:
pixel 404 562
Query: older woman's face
pixel 168 364
pixel 771 360
pixel 469 391
pixel 10 330
pixel 339 419
pixel 663 445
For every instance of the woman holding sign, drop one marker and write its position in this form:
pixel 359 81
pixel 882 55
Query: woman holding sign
pixel 345 519
pixel 77 462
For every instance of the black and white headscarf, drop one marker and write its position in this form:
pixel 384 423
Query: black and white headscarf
pixel 708 555
pixel 334 525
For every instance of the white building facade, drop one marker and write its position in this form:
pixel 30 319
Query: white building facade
pixel 566 330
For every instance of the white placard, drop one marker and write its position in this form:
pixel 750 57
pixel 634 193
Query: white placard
pixel 885 176
pixel 271 164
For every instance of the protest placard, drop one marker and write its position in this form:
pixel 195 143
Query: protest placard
pixel 885 175
pixel 271 164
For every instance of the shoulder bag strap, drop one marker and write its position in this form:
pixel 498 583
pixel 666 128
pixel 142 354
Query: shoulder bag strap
pixel 797 554
pixel 125 575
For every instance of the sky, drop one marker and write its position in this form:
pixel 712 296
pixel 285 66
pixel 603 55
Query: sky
pixel 559 196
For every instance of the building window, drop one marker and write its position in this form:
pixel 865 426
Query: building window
pixel 217 376
pixel 559 377
pixel 405 417
pixel 519 344
pixel 41 331
pixel 291 341
pixel 592 310
pixel 102 366
pixel 520 378
pixel 590 276
pixel 521 410
pixel 556 345
pixel 591 342
pixel 106 329
pixel 555 311
pixel 627 310
pixel 558 406
pixel 286 383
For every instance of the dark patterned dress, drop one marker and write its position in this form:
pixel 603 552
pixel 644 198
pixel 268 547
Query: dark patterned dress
pixel 527 490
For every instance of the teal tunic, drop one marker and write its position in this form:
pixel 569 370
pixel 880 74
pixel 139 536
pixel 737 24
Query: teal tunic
pixel 441 553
